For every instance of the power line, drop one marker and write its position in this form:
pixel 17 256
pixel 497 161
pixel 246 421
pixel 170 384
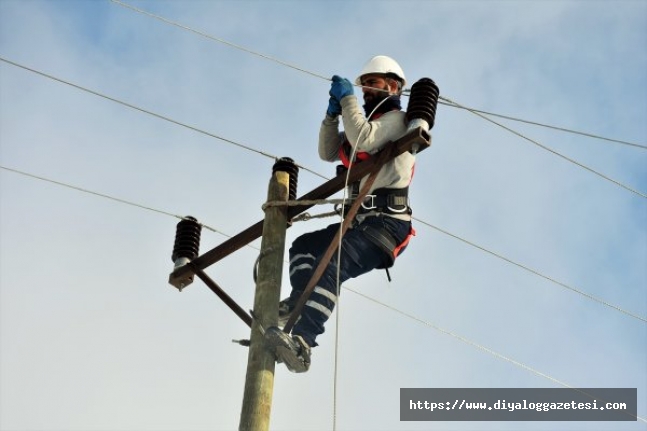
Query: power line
pixel 103 195
pixel 146 111
pixel 217 39
pixel 533 271
pixel 446 100
pixel 326 78
pixel 162 117
pixel 470 342
pixel 453 104
pixel 402 313
pixel 534 123
pixel 322 176
pixel 465 241
pixel 311 171
pixel 544 147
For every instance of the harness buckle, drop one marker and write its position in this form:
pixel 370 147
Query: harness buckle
pixel 371 199
pixel 404 209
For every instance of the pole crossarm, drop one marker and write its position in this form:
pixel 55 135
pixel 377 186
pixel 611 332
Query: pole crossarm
pixel 416 138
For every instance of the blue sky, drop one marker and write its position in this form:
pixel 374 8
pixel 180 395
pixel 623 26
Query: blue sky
pixel 93 338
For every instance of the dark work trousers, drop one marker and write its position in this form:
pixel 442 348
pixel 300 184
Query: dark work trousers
pixel 359 255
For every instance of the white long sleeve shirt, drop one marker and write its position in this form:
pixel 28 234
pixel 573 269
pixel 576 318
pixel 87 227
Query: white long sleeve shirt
pixel 369 137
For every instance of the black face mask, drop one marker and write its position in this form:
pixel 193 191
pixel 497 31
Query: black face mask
pixel 392 103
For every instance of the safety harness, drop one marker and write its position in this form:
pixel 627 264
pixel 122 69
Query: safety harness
pixel 389 201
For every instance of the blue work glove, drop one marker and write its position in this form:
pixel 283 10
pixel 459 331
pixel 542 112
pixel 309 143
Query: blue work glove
pixel 340 88
pixel 334 107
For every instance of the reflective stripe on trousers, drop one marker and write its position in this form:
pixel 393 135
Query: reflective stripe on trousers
pixel 358 256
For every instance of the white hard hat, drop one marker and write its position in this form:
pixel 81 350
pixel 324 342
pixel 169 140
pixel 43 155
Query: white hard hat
pixel 382 64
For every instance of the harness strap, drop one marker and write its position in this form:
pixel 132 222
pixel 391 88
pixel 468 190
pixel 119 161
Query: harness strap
pixel 381 237
pixel 346 149
pixel 399 248
pixel 386 200
pixel 353 187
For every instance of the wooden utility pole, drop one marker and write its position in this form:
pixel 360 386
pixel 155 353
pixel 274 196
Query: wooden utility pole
pixel 259 382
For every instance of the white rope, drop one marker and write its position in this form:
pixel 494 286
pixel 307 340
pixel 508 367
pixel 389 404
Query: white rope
pixel 338 275
pixel 307 216
pixel 298 203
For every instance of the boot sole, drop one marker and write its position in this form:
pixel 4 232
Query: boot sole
pixel 285 350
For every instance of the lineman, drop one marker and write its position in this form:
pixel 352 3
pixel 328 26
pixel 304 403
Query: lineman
pixel 382 227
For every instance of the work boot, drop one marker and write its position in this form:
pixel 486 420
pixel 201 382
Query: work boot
pixel 292 350
pixel 286 307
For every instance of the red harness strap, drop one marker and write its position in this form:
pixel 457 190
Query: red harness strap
pixel 346 149
pixel 398 249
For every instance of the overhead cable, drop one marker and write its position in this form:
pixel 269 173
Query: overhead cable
pixel 458 337
pixel 103 195
pixel 568 159
pixel 447 101
pixel 534 123
pixel 472 343
pixel 196 129
pixel 533 271
pixel 217 39
pixel 470 243
pixel 403 313
pixel 300 166
pixel 154 114
pixel 326 78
